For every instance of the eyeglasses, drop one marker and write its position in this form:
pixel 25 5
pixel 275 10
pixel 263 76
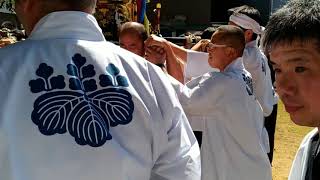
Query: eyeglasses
pixel 211 45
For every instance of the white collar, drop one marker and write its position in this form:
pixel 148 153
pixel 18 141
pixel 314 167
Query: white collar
pixel 235 65
pixel 252 44
pixel 67 25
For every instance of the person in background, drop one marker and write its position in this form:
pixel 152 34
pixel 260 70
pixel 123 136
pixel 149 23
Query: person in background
pixel 201 46
pixel 132 36
pixel 254 60
pixel 226 110
pixel 176 67
pixel 292 40
pixel 77 107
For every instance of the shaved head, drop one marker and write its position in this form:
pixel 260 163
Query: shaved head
pixel 231 36
pixel 134 28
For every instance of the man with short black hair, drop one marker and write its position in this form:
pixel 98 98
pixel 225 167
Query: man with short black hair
pixel 292 40
pixel 254 60
pixel 76 107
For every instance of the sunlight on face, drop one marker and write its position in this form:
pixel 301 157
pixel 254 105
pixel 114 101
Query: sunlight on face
pixel 297 69
pixel 217 54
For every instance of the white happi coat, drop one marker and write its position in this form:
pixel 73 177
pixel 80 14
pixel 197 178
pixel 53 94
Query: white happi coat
pixel 75 107
pixel 300 163
pixel 197 65
pixel 232 124
pixel 257 64
pixel 254 61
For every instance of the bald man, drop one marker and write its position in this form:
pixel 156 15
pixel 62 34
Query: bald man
pixel 231 117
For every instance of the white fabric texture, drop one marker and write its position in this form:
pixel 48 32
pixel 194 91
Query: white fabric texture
pixel 233 124
pixel 257 64
pixel 77 107
pixel 197 65
pixel 246 22
pixel 300 163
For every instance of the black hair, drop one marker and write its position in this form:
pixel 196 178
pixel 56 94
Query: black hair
pixel 251 12
pixel 207 33
pixel 298 20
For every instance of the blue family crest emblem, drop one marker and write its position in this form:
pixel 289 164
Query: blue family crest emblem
pixel 80 109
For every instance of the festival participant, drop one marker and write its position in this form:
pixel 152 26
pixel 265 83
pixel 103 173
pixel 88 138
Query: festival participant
pixel 132 36
pixel 292 39
pixel 248 18
pixel 77 107
pixel 230 116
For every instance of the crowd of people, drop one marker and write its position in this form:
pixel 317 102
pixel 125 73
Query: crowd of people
pixel 75 106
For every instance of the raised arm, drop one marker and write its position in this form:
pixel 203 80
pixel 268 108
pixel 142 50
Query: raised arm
pixel 175 66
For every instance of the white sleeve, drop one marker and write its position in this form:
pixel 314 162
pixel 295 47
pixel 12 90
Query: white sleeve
pixel 300 162
pixel 256 63
pixel 4 147
pixel 197 65
pixel 194 95
pixel 180 159
pixel 179 154
pixel 4 157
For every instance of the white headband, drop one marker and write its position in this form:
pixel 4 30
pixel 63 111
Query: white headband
pixel 246 22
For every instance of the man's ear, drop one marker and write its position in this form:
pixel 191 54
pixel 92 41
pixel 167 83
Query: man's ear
pixel 248 34
pixel 230 52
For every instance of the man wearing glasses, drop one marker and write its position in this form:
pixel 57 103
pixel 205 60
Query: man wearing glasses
pixel 225 103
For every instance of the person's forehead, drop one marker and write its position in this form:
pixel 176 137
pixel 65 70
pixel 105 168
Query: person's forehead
pixel 294 52
pixel 130 37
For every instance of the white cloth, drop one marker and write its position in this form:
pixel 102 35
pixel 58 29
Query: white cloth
pixel 197 65
pixel 77 107
pixel 257 64
pixel 246 22
pixel 233 123
pixel 300 163
pixel 254 61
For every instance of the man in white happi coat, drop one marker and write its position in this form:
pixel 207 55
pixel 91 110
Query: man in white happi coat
pixel 77 107
pixel 231 117
pixel 254 60
pixel 177 61
pixel 292 39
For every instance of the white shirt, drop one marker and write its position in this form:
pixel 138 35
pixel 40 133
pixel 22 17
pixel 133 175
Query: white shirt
pixel 76 107
pixel 197 65
pixel 257 64
pixel 300 163
pixel 233 124
pixel 254 61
